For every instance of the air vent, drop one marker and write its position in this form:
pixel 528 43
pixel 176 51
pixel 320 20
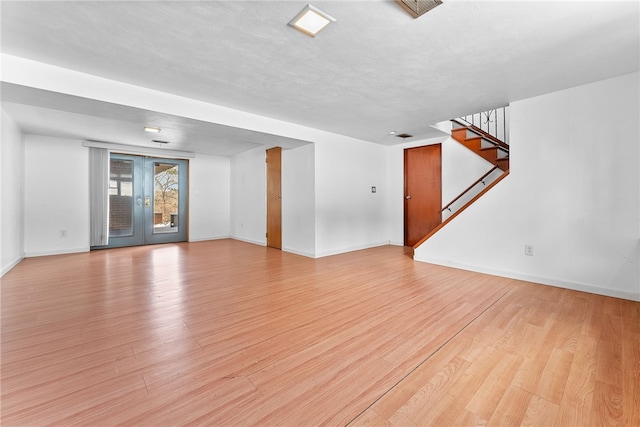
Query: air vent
pixel 157 141
pixel 417 8
pixel 404 136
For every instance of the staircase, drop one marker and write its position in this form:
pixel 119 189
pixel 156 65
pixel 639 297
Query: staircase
pixel 482 143
pixel 482 134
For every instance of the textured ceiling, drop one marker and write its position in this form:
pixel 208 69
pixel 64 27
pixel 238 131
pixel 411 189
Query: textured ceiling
pixel 375 70
pixel 65 116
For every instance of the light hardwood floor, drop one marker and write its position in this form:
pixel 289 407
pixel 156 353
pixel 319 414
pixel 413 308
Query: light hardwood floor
pixel 227 333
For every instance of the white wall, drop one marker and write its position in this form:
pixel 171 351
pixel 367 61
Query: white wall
pixel 209 197
pixel 56 196
pixel 249 196
pixel 327 203
pixel 11 194
pixel 573 193
pixel 348 215
pixel 298 200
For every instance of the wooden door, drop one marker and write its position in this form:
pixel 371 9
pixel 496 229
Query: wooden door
pixel 274 197
pixel 423 191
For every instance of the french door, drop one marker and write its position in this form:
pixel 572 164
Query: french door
pixel 147 200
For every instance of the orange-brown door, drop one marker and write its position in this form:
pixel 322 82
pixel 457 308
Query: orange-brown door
pixel 274 197
pixel 422 191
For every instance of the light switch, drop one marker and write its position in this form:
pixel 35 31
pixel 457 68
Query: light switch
pixel 373 189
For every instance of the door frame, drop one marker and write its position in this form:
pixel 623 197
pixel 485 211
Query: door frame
pixel 182 235
pixel 142 215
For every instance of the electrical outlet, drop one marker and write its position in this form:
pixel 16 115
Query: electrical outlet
pixel 63 233
pixel 373 189
pixel 528 250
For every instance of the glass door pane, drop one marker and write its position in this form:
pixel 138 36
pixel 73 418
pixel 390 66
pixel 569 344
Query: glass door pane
pixel 121 198
pixel 125 200
pixel 166 200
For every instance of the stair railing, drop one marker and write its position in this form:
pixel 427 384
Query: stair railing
pixel 458 211
pixel 481 185
pixel 492 122
pixel 469 188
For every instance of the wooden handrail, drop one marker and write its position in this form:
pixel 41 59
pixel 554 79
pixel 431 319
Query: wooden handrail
pixel 469 188
pixel 459 211
pixel 482 133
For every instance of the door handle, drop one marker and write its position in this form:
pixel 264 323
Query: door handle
pixel 407 197
pixel 278 197
pixel 138 201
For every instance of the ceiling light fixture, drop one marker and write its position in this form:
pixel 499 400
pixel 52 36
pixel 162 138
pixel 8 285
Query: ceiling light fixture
pixel 311 20
pixel 151 129
pixel 417 8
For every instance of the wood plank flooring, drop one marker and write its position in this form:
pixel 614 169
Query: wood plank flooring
pixel 227 333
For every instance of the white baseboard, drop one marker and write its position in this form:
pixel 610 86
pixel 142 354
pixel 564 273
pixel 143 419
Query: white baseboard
pixel 255 242
pixel 582 287
pixel 9 266
pixel 56 252
pixel 351 249
pixel 297 252
pixel 204 239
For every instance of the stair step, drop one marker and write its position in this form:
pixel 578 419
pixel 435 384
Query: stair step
pixel 477 131
pixel 474 141
pixel 473 144
pixel 459 134
pixel 495 147
pixel 464 138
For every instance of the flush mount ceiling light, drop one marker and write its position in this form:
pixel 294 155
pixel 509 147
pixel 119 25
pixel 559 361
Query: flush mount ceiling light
pixel 151 129
pixel 311 20
pixel 417 8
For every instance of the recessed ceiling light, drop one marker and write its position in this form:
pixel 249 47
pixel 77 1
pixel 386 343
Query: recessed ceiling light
pixel 151 130
pixel 311 20
pixel 393 132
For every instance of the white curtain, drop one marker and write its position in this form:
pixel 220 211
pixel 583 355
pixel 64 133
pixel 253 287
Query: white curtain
pixel 99 196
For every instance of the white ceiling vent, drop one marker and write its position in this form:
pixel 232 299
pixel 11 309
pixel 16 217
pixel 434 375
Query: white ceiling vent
pixel 417 8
